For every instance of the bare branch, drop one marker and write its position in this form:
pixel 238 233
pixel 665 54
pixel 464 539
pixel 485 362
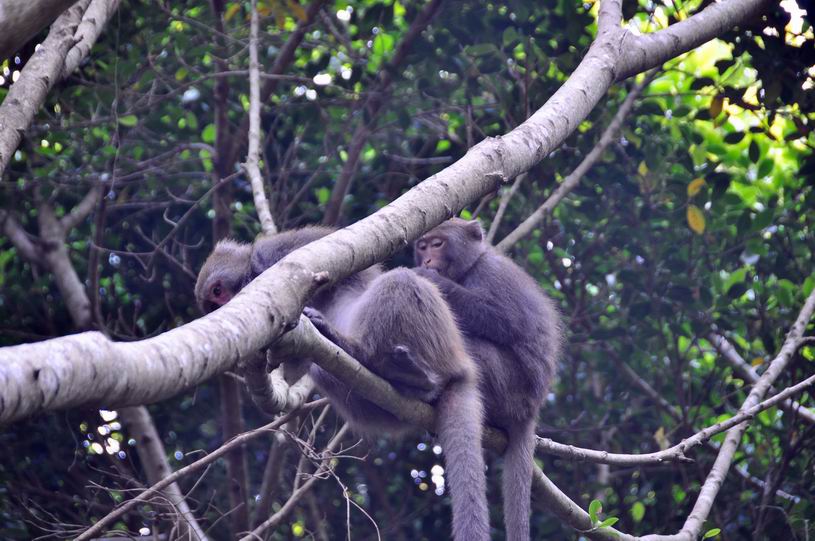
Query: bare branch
pixel 297 494
pixel 502 206
pixel 198 465
pixel 701 509
pixel 749 373
pixel 645 52
pixel 93 22
pixel 12 229
pixel 82 209
pixel 372 107
pixel 570 182
pixel 43 69
pixel 153 458
pixel 252 167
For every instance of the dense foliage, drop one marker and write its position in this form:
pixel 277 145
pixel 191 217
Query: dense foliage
pixel 698 220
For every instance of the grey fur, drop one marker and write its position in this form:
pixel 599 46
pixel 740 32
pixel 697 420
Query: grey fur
pixel 513 332
pixel 398 325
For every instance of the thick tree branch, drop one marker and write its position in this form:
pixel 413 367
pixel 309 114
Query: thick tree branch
pixel 645 52
pixel 43 69
pixel 21 21
pixel 252 166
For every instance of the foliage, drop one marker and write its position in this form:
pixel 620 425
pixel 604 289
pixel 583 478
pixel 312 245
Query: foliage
pixel 698 219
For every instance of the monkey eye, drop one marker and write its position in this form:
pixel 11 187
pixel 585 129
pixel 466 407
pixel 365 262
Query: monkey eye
pixel 437 243
pixel 216 290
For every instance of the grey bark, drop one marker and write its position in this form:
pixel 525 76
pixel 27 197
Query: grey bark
pixel 20 20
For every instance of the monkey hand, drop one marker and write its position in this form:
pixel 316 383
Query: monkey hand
pixel 325 328
pixel 433 276
pixel 406 373
pixel 318 320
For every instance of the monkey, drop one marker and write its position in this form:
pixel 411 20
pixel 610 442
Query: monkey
pixel 223 274
pixel 512 330
pixel 397 325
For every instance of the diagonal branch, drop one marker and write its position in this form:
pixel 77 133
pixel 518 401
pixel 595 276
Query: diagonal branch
pixel 371 109
pixel 570 182
pixel 93 22
pixel 701 509
pixel 749 373
pixel 252 166
pixel 11 228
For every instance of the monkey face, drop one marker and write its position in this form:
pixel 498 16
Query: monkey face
pixel 451 248
pixel 217 294
pixel 430 252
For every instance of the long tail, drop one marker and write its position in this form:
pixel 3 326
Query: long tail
pixel 459 423
pixel 517 480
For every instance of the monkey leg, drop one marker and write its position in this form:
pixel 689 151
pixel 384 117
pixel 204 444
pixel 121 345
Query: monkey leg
pixel 407 374
pixel 517 480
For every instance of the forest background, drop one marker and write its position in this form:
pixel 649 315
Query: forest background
pixel 674 228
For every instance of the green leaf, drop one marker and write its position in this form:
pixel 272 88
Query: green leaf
pixel 208 135
pixel 322 195
pixel 712 533
pixel 128 121
pixel 595 507
pixel 383 43
pixel 637 511
pixel 610 521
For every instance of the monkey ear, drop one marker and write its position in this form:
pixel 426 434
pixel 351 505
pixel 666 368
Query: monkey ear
pixel 474 230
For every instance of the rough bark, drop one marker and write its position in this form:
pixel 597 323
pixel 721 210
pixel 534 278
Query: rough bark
pixel 20 21
pixel 43 69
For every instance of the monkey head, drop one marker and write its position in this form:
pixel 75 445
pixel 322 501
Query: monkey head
pixel 223 274
pixel 451 248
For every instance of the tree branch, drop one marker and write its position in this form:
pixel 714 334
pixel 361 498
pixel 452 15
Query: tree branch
pixel 701 509
pixel 570 182
pixel 43 69
pixel 94 20
pixel 726 349
pixel 267 224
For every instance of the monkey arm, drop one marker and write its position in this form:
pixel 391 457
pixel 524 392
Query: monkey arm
pixel 400 367
pixel 480 312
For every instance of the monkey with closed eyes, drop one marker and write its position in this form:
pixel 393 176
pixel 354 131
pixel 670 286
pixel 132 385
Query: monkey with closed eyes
pixel 398 326
pixel 513 332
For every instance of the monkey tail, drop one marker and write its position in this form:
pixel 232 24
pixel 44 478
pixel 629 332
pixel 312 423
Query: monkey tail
pixel 459 422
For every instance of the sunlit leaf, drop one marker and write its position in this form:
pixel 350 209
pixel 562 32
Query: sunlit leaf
pixel 128 120
pixel 696 220
pixel 712 533
pixel 637 511
pixel 594 508
pixel 695 185
pixel 716 106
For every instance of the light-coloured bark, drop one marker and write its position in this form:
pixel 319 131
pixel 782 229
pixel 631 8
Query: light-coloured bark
pixel 692 529
pixel 153 459
pixel 252 166
pixel 750 374
pixel 43 69
pixel 502 207
pixel 20 20
pixel 93 22
pixel 573 179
